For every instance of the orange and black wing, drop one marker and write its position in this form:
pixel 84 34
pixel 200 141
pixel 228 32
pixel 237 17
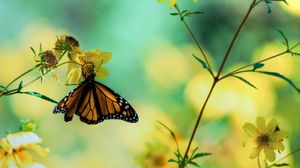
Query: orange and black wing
pixel 93 102
pixel 110 105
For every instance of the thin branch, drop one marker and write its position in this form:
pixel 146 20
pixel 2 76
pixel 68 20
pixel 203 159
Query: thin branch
pixel 216 80
pixel 234 38
pixel 192 36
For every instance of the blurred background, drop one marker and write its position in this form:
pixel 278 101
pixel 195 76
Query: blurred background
pixel 152 66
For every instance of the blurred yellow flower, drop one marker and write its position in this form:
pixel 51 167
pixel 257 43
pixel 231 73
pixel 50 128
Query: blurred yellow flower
pixel 96 57
pixel 13 152
pixel 265 137
pixel 172 3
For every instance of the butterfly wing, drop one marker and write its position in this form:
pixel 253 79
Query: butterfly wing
pixel 107 105
pixel 94 102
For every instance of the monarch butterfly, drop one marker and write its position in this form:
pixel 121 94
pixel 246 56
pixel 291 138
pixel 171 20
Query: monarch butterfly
pixel 94 102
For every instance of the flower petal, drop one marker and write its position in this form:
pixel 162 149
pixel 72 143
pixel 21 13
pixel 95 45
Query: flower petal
pixel 255 152
pixel 43 152
pixel 23 138
pixel 251 142
pixel 102 73
pixel 5 147
pixel 279 135
pixel 74 76
pixel 270 154
pixel 97 56
pixel 277 145
pixel 24 157
pixel 271 126
pixel 261 124
pixel 250 129
pixel 172 3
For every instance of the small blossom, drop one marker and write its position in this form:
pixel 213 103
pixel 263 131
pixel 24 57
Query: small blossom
pixel 266 137
pixel 28 125
pixel 66 43
pixel 14 149
pixel 88 64
pixel 172 3
pixel 49 59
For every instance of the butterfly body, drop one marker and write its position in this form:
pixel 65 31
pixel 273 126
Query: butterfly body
pixel 94 102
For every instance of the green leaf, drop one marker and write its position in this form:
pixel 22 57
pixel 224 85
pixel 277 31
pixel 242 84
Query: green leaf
pixel 199 155
pixel 20 86
pixel 192 13
pixel 268 2
pixel 278 75
pixel 280 165
pixel 201 61
pixel 257 66
pixel 184 11
pixel 170 131
pixel 286 42
pixel 194 164
pixel 174 14
pixel 33 51
pixel 172 160
pixel 245 81
pixel 40 96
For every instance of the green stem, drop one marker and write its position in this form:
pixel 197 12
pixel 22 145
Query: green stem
pixel 15 91
pixel 258 161
pixel 260 61
pixel 26 72
pixel 216 80
pixel 284 157
pixel 192 36
pixel 234 39
pixel 250 65
pixel 198 121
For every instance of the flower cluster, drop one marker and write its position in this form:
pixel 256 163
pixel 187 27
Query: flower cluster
pixel 79 59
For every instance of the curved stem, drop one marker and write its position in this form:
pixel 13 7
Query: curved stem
pixel 26 72
pixel 216 80
pixel 198 121
pixel 258 161
pixel 14 91
pixel 234 38
pixel 192 36
pixel 260 61
pixel 249 65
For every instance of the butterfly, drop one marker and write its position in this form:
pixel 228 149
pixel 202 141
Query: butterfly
pixel 94 102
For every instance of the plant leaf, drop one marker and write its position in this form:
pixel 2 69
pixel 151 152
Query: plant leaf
pixel 40 96
pixel 174 14
pixel 192 13
pixel 172 160
pixel 199 155
pixel 280 165
pixel 201 61
pixel 286 42
pixel 257 66
pixel 245 81
pixel 20 86
pixel 194 164
pixel 170 131
pixel 278 75
pixel 268 5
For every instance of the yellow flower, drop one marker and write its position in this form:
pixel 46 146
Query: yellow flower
pixel 96 57
pixel 172 3
pixel 265 137
pixel 13 152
